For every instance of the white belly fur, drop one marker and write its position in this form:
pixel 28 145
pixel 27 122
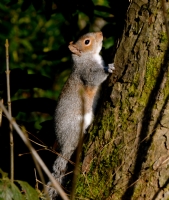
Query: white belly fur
pixel 88 117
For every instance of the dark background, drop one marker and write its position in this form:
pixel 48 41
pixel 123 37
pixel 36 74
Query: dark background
pixel 39 32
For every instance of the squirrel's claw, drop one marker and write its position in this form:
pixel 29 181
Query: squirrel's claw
pixel 111 67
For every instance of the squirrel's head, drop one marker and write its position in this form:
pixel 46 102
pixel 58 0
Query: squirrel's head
pixel 90 43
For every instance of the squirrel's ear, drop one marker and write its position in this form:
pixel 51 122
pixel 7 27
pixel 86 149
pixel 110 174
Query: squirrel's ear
pixel 74 49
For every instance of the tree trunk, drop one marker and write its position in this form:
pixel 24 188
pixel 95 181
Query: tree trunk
pixel 127 156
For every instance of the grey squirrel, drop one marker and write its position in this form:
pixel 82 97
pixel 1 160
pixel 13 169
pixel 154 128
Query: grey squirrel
pixel 88 73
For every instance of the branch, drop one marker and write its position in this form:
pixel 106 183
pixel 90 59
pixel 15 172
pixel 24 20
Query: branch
pixel 9 109
pixel 34 153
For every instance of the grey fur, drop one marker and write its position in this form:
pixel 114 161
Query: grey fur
pixel 87 74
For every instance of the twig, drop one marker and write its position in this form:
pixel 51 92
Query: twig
pixel 36 186
pixel 79 149
pixel 11 128
pixel 37 143
pixel 1 113
pixel 67 173
pixel 34 154
pixel 10 112
pixel 32 135
pixel 46 149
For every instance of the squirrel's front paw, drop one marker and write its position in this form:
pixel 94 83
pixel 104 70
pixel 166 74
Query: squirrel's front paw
pixel 111 67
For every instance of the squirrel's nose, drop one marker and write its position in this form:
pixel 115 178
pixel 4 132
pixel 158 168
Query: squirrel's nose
pixel 100 33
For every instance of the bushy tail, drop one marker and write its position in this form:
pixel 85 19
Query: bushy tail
pixel 59 170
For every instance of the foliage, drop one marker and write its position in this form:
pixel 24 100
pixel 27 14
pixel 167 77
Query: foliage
pixel 19 191
pixel 39 32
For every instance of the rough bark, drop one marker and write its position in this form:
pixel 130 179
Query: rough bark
pixel 127 156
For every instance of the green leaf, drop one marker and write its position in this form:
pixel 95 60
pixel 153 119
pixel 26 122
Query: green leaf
pixel 16 193
pixel 5 190
pixel 3 174
pixel 27 45
pixel 9 191
pixel 28 191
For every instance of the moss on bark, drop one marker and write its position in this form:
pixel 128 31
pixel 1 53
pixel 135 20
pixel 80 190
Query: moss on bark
pixel 130 145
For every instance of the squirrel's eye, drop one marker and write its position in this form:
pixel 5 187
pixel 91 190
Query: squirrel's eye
pixel 87 42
